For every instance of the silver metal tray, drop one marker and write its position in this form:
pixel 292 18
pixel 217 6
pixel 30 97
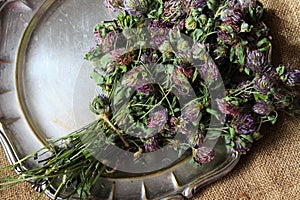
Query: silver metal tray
pixel 45 91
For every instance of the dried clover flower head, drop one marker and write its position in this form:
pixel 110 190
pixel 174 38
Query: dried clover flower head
pixel 293 77
pixel 227 107
pixel 122 56
pixel 245 4
pixel 100 104
pixel 149 57
pixel 203 155
pixel 198 3
pixel 243 124
pixel 191 113
pixel 231 16
pixel 209 71
pixel 257 61
pixel 172 10
pixel 108 42
pixel 219 53
pixel 138 79
pixel 158 120
pixel 241 145
pixel 188 5
pixel 226 37
pixel 113 4
pixel 151 144
pixel 188 72
pixel 136 7
pixel 159 31
pixel 261 107
pixel 264 84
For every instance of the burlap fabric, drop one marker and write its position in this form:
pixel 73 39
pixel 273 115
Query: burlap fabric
pixel 272 169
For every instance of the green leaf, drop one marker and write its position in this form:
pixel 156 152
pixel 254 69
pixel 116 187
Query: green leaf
pixel 176 110
pixel 232 132
pixel 197 34
pixel 243 144
pixel 265 44
pixel 213 134
pixel 236 103
pixel 280 70
pixel 258 96
pixel 195 75
pixel 231 55
pixel 272 119
pixel 247 71
pixel 241 55
pixel 123 68
pixel 212 112
pixel 251 13
pixel 231 144
pixel 248 137
pixel 97 77
pixel 93 54
pixel 212 4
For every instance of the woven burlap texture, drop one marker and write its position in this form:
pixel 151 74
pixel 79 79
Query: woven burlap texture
pixel 271 170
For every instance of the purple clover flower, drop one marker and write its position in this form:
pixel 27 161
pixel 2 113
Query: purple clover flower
pixel 227 107
pixel 198 3
pixel 101 104
pixel 151 144
pixel 191 113
pixel 224 36
pixel 264 84
pixel 261 107
pixel 149 57
pixel 136 7
pixel 231 16
pixel 188 5
pixel 245 4
pixel 293 77
pixel 112 5
pixel 173 125
pixel 108 42
pixel 135 79
pixel 144 89
pixel 158 120
pixel 203 155
pixel 243 124
pixel 241 145
pixel 171 11
pixel 159 31
pixel 256 61
pixel 209 71
pixel 181 83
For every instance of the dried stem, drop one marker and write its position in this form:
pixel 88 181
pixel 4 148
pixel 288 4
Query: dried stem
pixel 106 119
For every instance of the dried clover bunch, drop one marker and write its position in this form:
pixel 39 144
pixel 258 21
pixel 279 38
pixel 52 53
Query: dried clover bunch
pixel 143 83
pixel 236 38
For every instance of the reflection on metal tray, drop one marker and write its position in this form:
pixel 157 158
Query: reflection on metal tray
pixel 44 48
